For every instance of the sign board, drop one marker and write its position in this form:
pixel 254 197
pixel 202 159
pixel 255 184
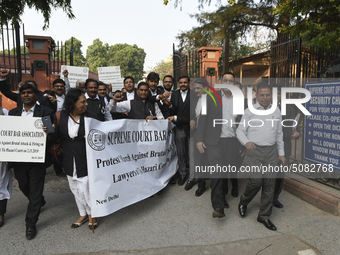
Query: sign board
pixel 22 139
pixel 75 73
pixel 322 128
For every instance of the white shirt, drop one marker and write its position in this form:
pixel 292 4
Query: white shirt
pixel 29 113
pixel 125 106
pixel 157 110
pixel 107 113
pixel 184 96
pixel 228 130
pixel 130 96
pixel 264 130
pixel 60 101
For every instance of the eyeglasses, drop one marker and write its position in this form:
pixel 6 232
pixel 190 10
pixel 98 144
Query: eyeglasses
pixel 59 86
pixel 167 82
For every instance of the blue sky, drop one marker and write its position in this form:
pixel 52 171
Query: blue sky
pixel 149 24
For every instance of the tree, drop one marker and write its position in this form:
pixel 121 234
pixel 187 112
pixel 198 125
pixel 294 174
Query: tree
pixel 315 20
pixel 11 10
pixel 13 51
pixel 165 67
pixel 130 58
pixel 78 58
pixel 97 55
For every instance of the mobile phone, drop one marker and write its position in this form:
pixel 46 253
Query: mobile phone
pixel 46 120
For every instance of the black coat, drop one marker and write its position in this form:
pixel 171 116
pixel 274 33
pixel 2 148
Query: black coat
pixel 181 110
pixel 72 148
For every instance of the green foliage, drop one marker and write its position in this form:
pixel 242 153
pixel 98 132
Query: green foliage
pixel 130 58
pixel 317 21
pixel 11 10
pixel 96 55
pixel 13 51
pixel 165 67
pixel 78 58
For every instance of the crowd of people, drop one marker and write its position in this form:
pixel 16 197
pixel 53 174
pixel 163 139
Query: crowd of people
pixel 198 140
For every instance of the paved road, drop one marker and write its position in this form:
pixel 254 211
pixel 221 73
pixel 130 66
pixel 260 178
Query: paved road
pixel 174 222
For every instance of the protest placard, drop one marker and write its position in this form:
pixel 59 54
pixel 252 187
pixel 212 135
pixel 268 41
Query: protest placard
pixel 128 161
pixel 22 139
pixel 75 73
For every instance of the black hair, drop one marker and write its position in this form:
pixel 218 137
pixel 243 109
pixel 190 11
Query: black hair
pixel 142 84
pixel 229 73
pixel 31 81
pixel 129 77
pixel 58 81
pixel 71 98
pixel 90 80
pixel 263 85
pixel 29 86
pixel 152 77
pixel 184 76
pixel 169 76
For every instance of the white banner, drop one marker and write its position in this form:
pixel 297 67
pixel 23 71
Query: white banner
pixel 128 161
pixel 75 73
pixel 109 74
pixel 22 139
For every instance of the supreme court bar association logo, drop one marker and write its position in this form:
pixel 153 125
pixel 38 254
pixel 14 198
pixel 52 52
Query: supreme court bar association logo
pixel 96 139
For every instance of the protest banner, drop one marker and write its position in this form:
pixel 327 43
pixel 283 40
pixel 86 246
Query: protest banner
pixel 75 73
pixel 111 74
pixel 128 161
pixel 22 139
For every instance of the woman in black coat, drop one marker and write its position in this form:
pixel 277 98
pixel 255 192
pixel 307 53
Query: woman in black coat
pixel 71 132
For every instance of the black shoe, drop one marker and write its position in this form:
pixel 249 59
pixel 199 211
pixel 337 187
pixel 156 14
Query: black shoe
pixel 172 180
pixel 181 181
pixel 218 213
pixel 31 232
pixel 3 221
pixel 200 191
pixel 277 204
pixel 242 209
pixel 43 203
pixel 234 191
pixel 226 205
pixel 61 174
pixel 267 223
pixel 189 185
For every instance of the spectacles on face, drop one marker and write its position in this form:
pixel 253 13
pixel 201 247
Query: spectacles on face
pixel 167 82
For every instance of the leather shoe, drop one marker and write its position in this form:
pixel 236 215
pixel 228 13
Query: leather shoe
pixel 218 213
pixel 181 181
pixel 31 232
pixel 95 224
pixel 78 224
pixel 61 174
pixel 234 191
pixel 267 223
pixel 3 220
pixel 277 204
pixel 242 209
pixel 200 191
pixel 172 180
pixel 189 185
pixel 226 205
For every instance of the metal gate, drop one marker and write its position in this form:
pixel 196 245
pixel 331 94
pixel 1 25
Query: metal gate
pixel 180 65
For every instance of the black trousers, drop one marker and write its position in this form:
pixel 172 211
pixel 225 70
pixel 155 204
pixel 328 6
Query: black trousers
pixel 222 154
pixel 3 206
pixel 31 183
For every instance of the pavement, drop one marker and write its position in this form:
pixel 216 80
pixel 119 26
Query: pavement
pixel 172 222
